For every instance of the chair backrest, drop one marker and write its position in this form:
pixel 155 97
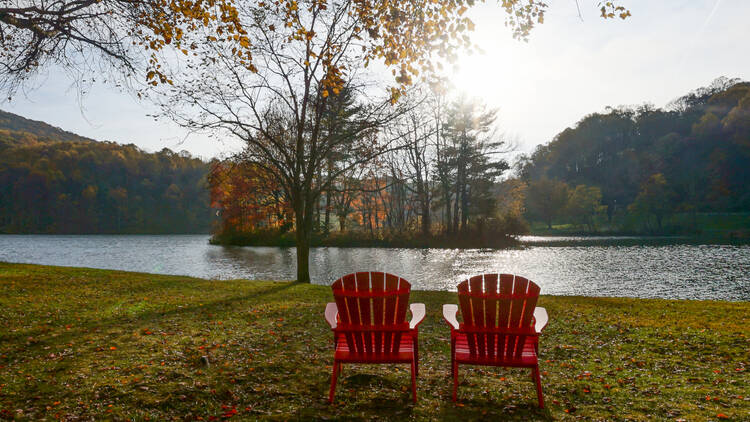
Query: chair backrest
pixel 372 311
pixel 497 311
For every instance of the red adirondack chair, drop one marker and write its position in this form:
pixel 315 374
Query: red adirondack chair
pixel 501 325
pixel 369 323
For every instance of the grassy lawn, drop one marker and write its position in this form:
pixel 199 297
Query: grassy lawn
pixel 710 226
pixel 85 343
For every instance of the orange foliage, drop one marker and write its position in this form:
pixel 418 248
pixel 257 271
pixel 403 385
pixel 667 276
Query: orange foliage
pixel 247 198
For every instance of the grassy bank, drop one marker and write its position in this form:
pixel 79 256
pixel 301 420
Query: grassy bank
pixel 84 343
pixel 709 226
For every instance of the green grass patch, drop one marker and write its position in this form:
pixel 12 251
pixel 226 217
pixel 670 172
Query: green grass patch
pixel 79 343
pixel 705 225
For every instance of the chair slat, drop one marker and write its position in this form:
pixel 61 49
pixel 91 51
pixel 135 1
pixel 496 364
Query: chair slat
pixel 490 312
pixel 343 307
pixel 516 309
pixel 466 312
pixel 477 309
pixel 506 289
pixel 365 315
pixel 350 285
pixel 378 311
pixel 391 284
pixel 527 314
pixel 401 305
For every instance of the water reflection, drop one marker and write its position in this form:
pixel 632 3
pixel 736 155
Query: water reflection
pixel 671 270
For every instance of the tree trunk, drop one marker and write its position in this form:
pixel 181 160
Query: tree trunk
pixel 303 225
pixel 303 257
pixel 424 202
pixel 317 216
pixel 464 209
pixel 456 203
pixel 426 220
pixel 327 219
pixel 448 218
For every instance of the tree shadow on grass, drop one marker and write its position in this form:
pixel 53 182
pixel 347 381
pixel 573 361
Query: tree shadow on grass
pixel 118 320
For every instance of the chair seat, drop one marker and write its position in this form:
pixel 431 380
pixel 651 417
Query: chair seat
pixel 528 357
pixel 405 352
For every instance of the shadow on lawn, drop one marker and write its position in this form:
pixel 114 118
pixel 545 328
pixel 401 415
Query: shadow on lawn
pixel 117 320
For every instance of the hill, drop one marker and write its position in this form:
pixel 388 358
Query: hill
pixel 16 130
pixel 648 163
pixel 54 181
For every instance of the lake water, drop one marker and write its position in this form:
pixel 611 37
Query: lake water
pixel 633 267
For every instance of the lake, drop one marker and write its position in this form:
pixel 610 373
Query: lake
pixel 632 267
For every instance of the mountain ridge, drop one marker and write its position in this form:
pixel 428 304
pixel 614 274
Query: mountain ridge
pixel 16 130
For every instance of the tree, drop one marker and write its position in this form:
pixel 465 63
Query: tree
pixel 472 153
pixel 281 108
pixel 85 36
pixel 82 35
pixel 273 90
pixel 655 198
pixel 246 198
pixel 546 199
pixel 584 203
pixel 415 130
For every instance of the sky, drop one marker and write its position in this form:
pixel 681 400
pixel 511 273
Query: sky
pixel 570 67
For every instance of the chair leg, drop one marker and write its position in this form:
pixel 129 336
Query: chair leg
pixel 339 368
pixel 538 380
pixel 413 383
pixel 455 379
pixel 453 355
pixel 416 355
pixel 336 370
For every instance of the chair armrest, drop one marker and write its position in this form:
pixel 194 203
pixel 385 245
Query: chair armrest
pixel 540 319
pixel 417 314
pixel 331 313
pixel 449 315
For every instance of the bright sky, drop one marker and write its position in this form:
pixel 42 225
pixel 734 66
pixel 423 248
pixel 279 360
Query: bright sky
pixel 569 68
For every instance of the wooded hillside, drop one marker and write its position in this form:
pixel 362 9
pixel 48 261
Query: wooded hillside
pixel 691 156
pixel 53 181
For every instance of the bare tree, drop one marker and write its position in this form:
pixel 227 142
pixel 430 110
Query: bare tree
pixel 279 107
pixel 415 129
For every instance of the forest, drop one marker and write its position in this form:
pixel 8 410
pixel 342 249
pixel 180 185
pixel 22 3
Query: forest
pixel 446 180
pixel 53 181
pixel 638 169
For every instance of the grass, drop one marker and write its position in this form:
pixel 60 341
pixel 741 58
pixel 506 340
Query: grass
pixel 717 226
pixel 79 343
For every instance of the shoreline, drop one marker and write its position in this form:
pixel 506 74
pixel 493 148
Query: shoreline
pixel 293 282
